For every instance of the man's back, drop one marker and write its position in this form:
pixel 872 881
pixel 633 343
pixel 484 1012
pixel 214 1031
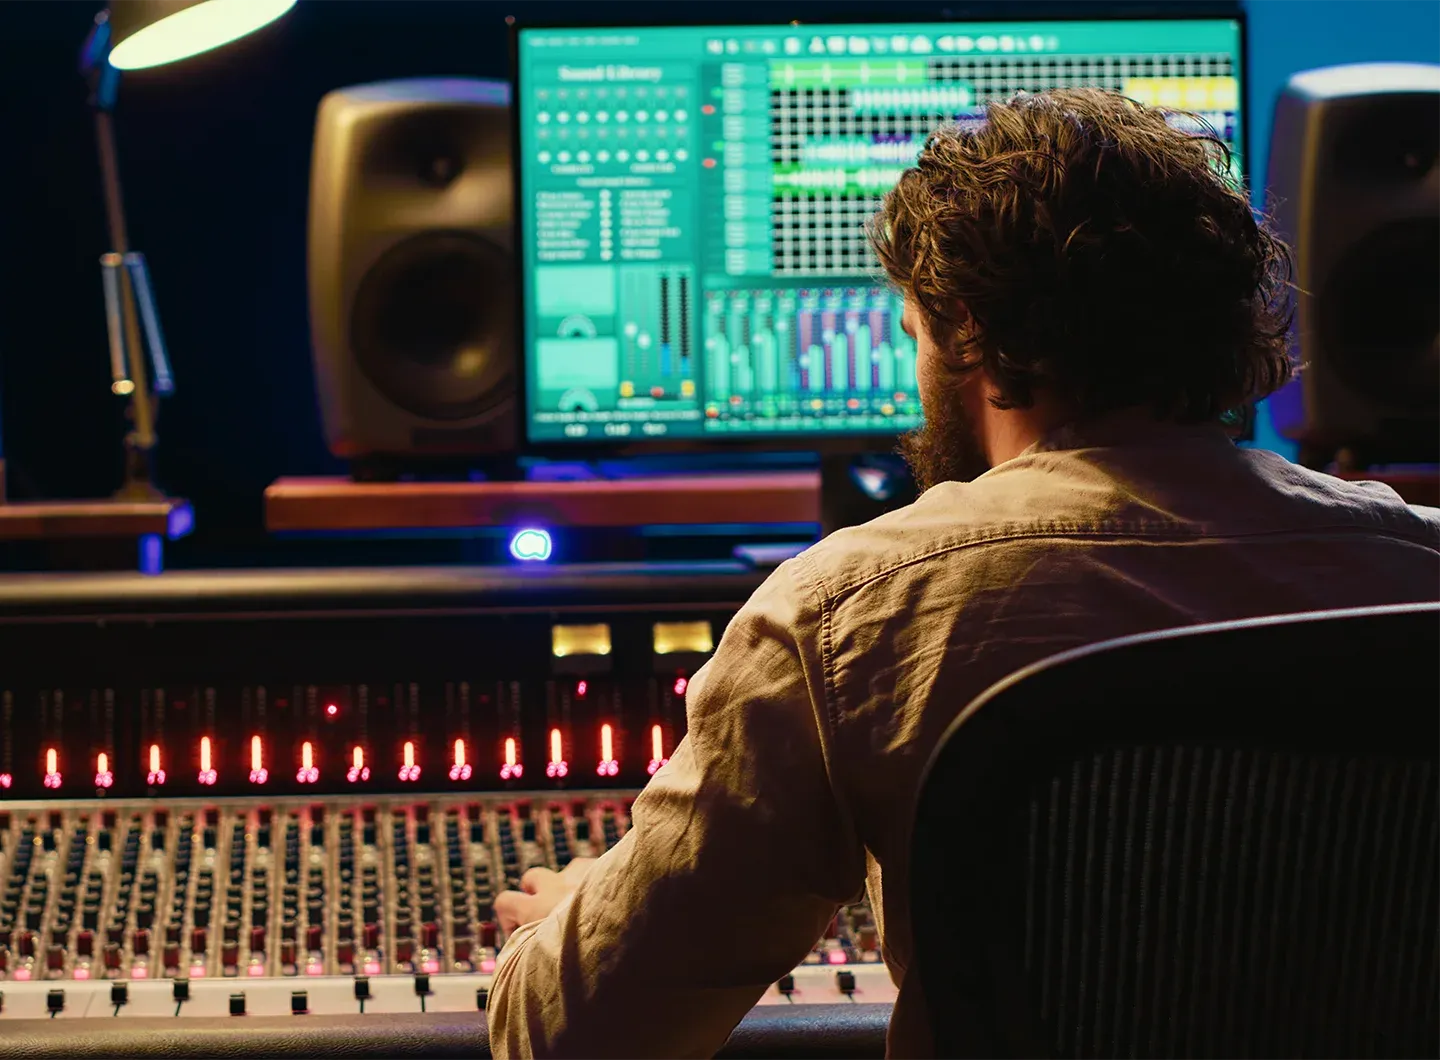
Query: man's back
pixel 1078 540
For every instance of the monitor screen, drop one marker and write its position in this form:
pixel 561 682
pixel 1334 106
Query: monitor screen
pixel 693 200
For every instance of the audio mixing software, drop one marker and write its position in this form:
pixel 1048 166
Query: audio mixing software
pixel 693 204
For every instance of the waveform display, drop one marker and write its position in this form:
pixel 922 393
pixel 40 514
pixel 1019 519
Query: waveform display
pixel 808 350
pixel 868 180
pixel 862 151
pixel 926 99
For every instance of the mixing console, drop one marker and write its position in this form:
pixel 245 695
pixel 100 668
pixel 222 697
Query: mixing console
pixel 206 814
pixel 125 893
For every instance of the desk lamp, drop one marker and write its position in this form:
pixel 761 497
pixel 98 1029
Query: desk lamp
pixel 134 35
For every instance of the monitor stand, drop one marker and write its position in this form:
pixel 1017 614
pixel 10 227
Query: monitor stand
pixel 858 487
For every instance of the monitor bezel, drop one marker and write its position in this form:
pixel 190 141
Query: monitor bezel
pixel 836 442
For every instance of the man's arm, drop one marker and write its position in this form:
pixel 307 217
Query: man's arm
pixel 737 856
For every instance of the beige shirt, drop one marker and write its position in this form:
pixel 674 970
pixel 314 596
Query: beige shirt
pixel 810 725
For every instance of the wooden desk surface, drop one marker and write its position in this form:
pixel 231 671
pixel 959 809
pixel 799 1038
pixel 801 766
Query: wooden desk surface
pixel 41 520
pixel 338 504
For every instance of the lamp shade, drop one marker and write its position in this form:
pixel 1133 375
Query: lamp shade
pixel 153 32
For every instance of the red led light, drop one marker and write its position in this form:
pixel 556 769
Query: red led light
pixel 460 769
pixel 836 956
pixel 607 766
pixel 557 766
pixel 707 108
pixel 258 773
pixel 6 780
pixel 207 773
pixel 657 750
pixel 156 774
pixel 409 770
pixel 82 973
pixel 581 687
pixel 52 768
pixel 104 778
pixel 307 773
pixel 358 770
pixel 331 710
pixel 680 686
pixel 512 768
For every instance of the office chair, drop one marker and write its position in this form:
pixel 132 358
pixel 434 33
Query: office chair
pixel 1216 841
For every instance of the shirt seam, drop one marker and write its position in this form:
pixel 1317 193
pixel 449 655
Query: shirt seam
pixel 829 693
pixel 831 593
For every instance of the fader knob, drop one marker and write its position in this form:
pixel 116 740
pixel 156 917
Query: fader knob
pixel 230 954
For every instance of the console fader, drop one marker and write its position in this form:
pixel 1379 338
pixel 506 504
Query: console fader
pixel 245 795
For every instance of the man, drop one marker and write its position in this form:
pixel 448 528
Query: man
pixel 1090 293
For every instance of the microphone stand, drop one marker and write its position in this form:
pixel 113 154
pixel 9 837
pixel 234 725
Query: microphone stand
pixel 125 280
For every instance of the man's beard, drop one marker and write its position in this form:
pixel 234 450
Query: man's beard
pixel 946 448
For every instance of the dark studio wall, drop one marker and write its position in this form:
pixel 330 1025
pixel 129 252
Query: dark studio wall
pixel 214 156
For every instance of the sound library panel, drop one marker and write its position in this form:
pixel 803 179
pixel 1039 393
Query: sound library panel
pixel 695 201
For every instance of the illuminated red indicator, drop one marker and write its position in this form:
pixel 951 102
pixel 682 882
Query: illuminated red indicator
pixel 331 710
pixel 104 778
pixel 581 687
pixel 52 768
pixel 707 108
pixel 708 163
pixel 307 773
pixel 6 780
pixel 156 774
pixel 657 749
pixel 82 973
pixel 607 766
pixel 835 956
pixel 512 768
pixel 408 769
pixel 680 686
pixel 460 769
pixel 358 770
pixel 207 767
pixel 557 766
pixel 258 773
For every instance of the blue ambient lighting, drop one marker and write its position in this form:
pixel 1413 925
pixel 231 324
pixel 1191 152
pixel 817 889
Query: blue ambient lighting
pixel 531 545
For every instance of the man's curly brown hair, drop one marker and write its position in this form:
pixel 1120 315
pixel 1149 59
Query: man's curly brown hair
pixel 1100 255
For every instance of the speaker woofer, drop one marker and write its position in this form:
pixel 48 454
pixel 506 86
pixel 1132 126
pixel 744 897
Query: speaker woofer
pixel 433 325
pixel 1380 316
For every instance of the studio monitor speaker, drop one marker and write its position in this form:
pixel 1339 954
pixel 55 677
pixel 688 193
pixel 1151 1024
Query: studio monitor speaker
pixel 1356 191
pixel 412 292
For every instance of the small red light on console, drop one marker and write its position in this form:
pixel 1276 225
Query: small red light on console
pixel 52 768
pixel 409 769
pixel 512 768
pixel 307 773
pixel 207 773
pixel 608 766
pixel 258 773
pixel 155 776
pixel 557 766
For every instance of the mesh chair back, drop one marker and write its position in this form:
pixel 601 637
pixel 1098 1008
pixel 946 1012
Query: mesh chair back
pixel 1217 841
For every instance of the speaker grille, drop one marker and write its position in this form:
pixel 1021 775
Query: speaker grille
pixel 433 325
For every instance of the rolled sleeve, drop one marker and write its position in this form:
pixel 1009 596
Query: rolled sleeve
pixel 738 854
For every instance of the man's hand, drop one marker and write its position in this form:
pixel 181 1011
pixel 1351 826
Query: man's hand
pixel 541 890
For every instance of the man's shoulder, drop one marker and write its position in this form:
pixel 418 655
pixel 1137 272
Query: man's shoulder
pixel 947 518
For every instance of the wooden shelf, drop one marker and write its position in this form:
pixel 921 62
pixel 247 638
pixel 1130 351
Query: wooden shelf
pixel 50 520
pixel 338 504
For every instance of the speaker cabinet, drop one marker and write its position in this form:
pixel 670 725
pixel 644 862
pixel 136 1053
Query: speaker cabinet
pixel 411 273
pixel 1356 190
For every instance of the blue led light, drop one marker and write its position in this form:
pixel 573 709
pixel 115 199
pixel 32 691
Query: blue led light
pixel 531 545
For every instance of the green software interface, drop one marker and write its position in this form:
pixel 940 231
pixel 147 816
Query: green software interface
pixel 693 204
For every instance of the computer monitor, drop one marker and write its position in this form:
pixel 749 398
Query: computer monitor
pixel 692 202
